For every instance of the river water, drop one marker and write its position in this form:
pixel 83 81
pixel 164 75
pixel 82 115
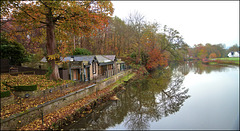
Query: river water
pixel 187 96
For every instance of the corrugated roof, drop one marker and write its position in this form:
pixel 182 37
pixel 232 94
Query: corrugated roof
pixel 89 58
pixel 111 57
pixel 102 59
pixel 43 59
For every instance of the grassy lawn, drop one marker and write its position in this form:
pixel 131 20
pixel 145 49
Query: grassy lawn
pixel 227 60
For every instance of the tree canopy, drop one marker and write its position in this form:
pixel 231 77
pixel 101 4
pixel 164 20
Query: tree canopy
pixel 234 48
pixel 57 21
pixel 208 50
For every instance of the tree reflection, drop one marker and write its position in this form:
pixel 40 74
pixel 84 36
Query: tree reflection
pixel 171 99
pixel 200 68
pixel 144 101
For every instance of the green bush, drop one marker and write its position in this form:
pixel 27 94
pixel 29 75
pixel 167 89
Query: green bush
pixel 5 94
pixel 14 51
pixel 133 55
pixel 4 83
pixel 25 88
pixel 81 51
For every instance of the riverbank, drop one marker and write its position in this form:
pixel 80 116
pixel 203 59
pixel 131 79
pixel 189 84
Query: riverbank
pixel 79 108
pixel 230 61
pixel 164 97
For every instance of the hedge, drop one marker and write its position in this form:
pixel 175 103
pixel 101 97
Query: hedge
pixel 4 83
pixel 22 88
pixel 25 88
pixel 5 94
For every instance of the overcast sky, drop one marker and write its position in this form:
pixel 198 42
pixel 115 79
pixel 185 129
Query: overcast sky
pixel 197 21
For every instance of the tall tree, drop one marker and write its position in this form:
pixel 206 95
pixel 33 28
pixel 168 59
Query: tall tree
pixel 136 23
pixel 234 48
pixel 201 51
pixel 56 19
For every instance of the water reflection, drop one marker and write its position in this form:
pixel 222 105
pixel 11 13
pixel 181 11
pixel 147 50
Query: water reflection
pixel 145 100
pixel 213 103
pixel 199 68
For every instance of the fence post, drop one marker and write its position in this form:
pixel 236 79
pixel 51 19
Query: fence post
pixel 42 117
pixel 20 103
pixel 44 96
pixel 96 91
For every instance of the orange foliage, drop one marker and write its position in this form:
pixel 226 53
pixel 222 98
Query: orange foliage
pixel 79 18
pixel 58 21
pixel 156 58
pixel 212 55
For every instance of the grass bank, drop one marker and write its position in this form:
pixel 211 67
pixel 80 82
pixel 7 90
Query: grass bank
pixel 122 80
pixel 227 60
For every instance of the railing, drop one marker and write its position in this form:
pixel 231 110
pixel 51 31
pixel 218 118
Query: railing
pixel 108 74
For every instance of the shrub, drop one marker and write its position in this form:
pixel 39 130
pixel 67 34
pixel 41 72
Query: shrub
pixel 212 55
pixel 4 83
pixel 133 55
pixel 5 94
pixel 81 51
pixel 14 51
pixel 25 88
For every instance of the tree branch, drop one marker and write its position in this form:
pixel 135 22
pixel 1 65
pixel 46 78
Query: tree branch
pixel 31 29
pixel 32 17
pixel 44 4
pixel 55 19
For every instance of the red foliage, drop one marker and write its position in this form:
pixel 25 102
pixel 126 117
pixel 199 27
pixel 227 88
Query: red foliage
pixel 156 58
pixel 213 55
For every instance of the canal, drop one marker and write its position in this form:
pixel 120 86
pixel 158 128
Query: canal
pixel 187 96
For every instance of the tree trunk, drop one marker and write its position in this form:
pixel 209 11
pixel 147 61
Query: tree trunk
pixel 51 46
pixel 74 42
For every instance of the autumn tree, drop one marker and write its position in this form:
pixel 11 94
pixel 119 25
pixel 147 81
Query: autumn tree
pixel 200 51
pixel 136 22
pixel 204 51
pixel 212 55
pixel 234 48
pixel 183 51
pixel 156 58
pixel 218 49
pixel 56 19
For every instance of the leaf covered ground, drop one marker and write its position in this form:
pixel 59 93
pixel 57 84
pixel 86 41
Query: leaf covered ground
pixel 22 104
pixel 64 112
pixel 25 80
